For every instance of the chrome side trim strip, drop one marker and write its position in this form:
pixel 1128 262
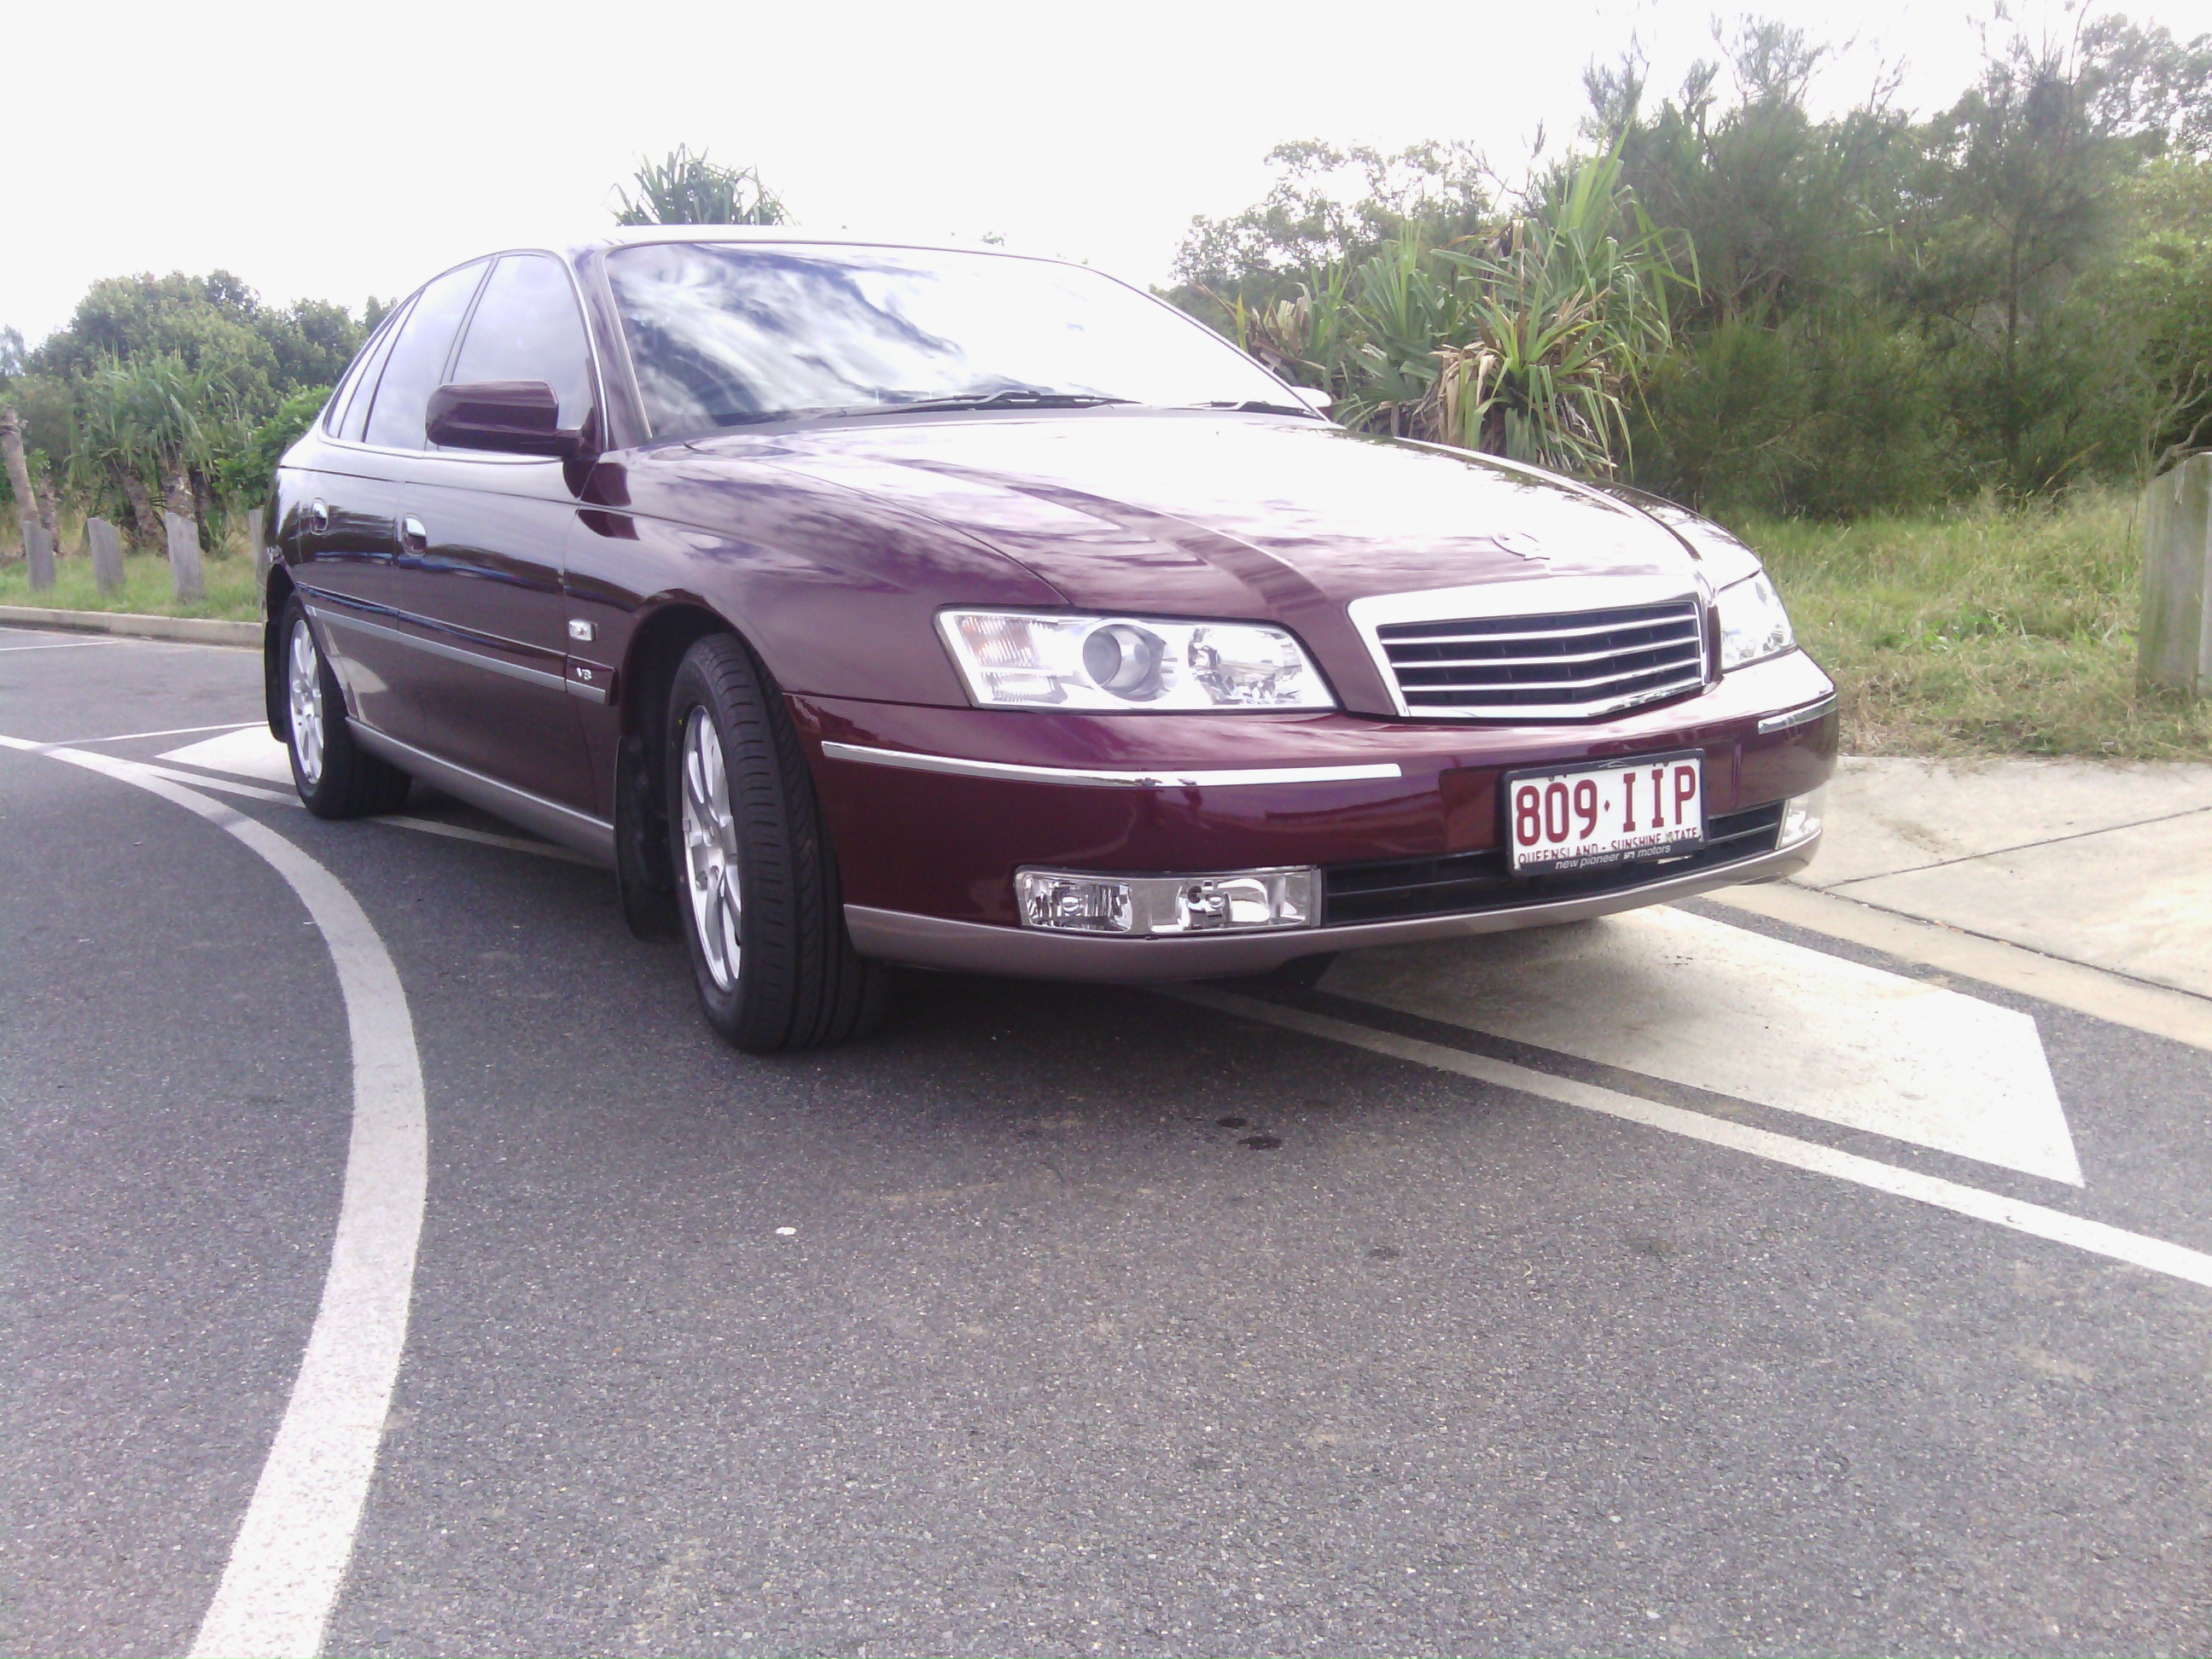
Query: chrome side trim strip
pixel 578 832
pixel 1796 717
pixel 974 947
pixel 451 652
pixel 958 767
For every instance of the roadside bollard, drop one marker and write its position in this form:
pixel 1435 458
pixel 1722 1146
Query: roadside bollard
pixel 39 548
pixel 183 557
pixel 105 544
pixel 2174 649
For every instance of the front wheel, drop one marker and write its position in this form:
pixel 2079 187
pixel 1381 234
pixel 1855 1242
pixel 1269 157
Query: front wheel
pixel 337 778
pixel 762 918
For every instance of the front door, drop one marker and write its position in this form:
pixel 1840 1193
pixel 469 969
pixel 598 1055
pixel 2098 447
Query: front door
pixel 481 541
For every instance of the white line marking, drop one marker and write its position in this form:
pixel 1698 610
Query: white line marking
pixel 2035 1219
pixel 251 791
pixel 290 1554
pixel 544 849
pixel 172 731
pixel 249 752
pixel 65 645
pixel 1662 993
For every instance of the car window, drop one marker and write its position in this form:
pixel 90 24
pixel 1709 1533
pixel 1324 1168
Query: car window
pixel 417 361
pixel 526 327
pixel 350 404
pixel 722 335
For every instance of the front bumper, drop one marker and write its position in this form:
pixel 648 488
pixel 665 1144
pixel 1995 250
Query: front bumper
pixel 971 947
pixel 932 809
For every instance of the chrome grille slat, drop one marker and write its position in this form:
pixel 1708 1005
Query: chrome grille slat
pixel 1577 666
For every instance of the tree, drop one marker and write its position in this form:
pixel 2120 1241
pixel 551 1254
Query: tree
pixel 684 189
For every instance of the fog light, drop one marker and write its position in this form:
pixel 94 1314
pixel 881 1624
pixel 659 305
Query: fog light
pixel 1801 817
pixel 1236 901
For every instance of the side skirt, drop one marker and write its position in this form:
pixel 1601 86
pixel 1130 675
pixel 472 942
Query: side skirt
pixel 578 832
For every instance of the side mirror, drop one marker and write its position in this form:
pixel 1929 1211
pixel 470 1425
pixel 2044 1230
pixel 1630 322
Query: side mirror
pixel 514 417
pixel 1320 402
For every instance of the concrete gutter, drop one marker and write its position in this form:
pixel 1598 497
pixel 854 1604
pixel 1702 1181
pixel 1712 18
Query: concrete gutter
pixel 193 630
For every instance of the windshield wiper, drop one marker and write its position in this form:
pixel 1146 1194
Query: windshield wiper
pixel 1259 406
pixel 1008 398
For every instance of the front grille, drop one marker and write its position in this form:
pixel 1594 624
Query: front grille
pixel 1576 665
pixel 1463 883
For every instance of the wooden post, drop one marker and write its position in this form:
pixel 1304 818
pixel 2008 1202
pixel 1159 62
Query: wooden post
pixel 184 537
pixel 105 541
pixel 39 548
pixel 2174 649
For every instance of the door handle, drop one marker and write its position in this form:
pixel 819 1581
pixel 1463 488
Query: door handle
pixel 318 515
pixel 412 537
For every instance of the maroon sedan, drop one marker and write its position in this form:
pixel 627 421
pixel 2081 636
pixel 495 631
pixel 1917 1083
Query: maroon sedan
pixel 864 603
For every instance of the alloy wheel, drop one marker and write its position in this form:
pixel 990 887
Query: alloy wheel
pixel 710 850
pixel 305 681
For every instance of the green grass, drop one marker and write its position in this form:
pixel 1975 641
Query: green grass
pixel 1982 631
pixel 231 593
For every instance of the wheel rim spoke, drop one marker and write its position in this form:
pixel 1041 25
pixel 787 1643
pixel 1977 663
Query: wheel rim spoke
pixel 305 684
pixel 710 851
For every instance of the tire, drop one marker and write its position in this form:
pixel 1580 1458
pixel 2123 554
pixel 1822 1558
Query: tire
pixel 758 893
pixel 337 778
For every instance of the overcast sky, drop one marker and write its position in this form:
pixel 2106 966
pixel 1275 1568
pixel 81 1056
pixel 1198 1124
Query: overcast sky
pixel 336 152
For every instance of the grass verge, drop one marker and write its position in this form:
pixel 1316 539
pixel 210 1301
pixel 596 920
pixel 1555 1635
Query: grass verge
pixel 1982 631
pixel 232 593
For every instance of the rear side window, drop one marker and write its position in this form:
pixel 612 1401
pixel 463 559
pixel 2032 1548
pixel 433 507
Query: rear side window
pixel 418 357
pixel 350 404
pixel 526 327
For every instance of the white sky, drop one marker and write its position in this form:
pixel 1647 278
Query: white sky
pixel 334 152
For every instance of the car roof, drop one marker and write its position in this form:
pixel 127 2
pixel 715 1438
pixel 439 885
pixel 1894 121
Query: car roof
pixel 631 235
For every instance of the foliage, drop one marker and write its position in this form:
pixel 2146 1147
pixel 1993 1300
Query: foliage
pixel 247 474
pixel 2013 294
pixel 683 189
pixel 1984 629
pixel 1527 343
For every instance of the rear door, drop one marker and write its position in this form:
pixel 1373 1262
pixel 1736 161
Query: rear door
pixel 481 539
pixel 351 572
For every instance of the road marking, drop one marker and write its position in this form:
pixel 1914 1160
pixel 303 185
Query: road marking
pixel 2095 1237
pixel 250 792
pixel 1665 993
pixel 132 737
pixel 290 1554
pixel 248 752
pixel 544 849
pixel 64 645
pixel 2099 992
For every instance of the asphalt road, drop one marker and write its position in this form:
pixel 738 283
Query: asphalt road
pixel 1052 1320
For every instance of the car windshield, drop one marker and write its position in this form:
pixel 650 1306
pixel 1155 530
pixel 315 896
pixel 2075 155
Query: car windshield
pixel 727 335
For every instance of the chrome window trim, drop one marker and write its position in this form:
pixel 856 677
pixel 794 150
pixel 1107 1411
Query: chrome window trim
pixel 1797 717
pixel 1535 594
pixel 1112 778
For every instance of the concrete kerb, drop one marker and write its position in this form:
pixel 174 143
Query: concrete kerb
pixel 191 630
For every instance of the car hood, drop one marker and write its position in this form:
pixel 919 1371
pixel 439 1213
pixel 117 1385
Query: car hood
pixel 1190 512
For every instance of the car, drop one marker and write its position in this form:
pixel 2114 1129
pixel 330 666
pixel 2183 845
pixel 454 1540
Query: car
pixel 860 603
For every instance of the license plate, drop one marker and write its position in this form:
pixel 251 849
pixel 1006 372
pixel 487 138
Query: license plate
pixel 1595 816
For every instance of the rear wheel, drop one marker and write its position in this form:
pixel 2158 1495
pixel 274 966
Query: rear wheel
pixel 763 917
pixel 337 778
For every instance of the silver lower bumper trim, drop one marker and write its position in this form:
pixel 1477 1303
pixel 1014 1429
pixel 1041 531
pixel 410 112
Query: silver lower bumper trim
pixel 972 947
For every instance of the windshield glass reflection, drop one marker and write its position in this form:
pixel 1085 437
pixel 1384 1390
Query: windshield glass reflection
pixel 727 335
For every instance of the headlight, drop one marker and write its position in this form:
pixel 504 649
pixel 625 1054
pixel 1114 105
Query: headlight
pixel 1754 624
pixel 1027 660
